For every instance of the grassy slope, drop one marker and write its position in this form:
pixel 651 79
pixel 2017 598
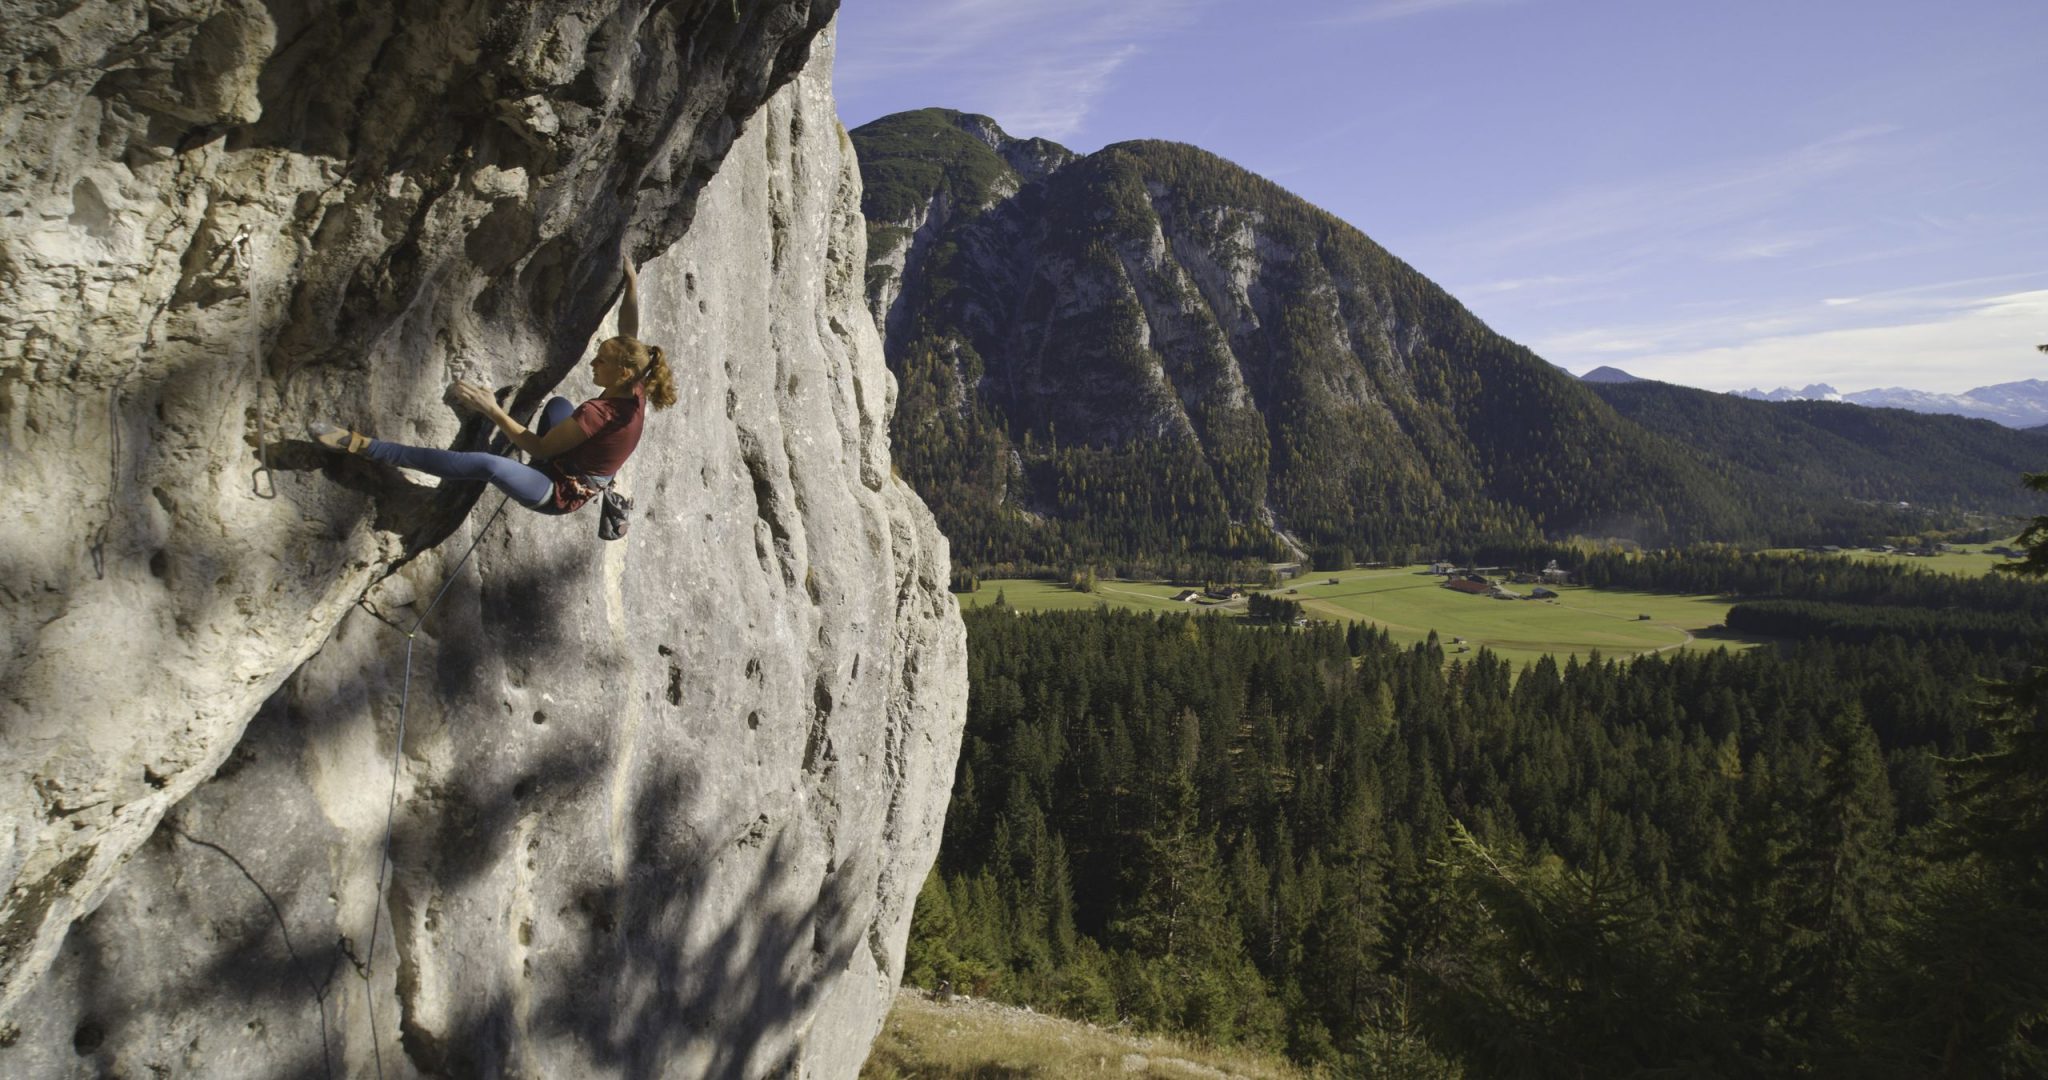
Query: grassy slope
pixel 1411 604
pixel 967 1039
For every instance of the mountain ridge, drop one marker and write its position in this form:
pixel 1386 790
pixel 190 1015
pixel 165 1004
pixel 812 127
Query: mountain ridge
pixel 1150 353
pixel 1816 447
pixel 1606 374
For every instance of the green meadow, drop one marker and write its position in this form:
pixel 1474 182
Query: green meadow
pixel 1409 604
pixel 1974 560
pixel 1026 594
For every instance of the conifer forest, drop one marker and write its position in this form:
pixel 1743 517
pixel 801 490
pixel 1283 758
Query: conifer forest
pixel 1820 858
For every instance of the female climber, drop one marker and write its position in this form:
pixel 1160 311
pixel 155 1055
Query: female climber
pixel 573 462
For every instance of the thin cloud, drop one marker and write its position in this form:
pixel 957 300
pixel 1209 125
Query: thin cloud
pixel 1771 246
pixel 1602 343
pixel 1525 284
pixel 1657 209
pixel 1544 292
pixel 1057 97
pixel 1982 341
pixel 1389 10
pixel 954 31
pixel 1936 288
pixel 1037 66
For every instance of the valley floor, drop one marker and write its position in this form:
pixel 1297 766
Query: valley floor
pixel 1971 560
pixel 1408 602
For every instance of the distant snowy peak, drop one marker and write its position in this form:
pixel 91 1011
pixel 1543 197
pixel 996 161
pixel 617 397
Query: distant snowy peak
pixel 1813 392
pixel 2022 404
pixel 2014 404
pixel 1608 375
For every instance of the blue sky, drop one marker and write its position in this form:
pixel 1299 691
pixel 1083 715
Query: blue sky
pixel 1725 195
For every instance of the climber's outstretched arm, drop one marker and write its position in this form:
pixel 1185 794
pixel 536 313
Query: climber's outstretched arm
pixel 559 439
pixel 629 304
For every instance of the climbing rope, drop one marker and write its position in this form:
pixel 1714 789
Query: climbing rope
pixel 319 987
pixel 397 758
pixel 98 548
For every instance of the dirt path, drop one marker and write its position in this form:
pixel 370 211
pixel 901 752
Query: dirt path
pixel 1683 632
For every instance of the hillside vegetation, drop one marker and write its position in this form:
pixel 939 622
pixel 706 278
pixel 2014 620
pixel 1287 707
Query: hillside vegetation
pixel 1829 450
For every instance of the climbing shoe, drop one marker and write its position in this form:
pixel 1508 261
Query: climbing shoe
pixel 337 438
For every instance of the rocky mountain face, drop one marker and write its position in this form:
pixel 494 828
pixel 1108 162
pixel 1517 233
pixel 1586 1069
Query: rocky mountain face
pixel 919 173
pixel 1148 350
pixel 662 806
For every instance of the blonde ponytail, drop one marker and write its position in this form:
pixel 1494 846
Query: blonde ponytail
pixel 661 382
pixel 652 367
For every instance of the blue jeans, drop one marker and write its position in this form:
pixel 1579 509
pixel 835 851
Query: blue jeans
pixel 527 485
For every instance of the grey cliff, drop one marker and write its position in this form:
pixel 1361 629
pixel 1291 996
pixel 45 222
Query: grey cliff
pixel 662 806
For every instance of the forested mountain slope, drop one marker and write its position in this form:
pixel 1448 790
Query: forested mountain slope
pixel 1824 449
pixel 1148 353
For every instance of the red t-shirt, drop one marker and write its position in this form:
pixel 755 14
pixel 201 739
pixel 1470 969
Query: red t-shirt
pixel 611 427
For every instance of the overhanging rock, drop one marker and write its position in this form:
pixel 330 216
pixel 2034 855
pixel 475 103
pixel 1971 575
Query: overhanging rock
pixel 664 804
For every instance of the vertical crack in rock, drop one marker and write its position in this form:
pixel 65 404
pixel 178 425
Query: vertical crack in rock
pixel 818 755
pixel 769 509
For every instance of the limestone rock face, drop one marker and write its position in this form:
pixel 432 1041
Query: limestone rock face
pixel 662 805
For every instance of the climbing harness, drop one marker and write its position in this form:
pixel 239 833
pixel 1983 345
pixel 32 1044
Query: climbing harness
pixel 397 759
